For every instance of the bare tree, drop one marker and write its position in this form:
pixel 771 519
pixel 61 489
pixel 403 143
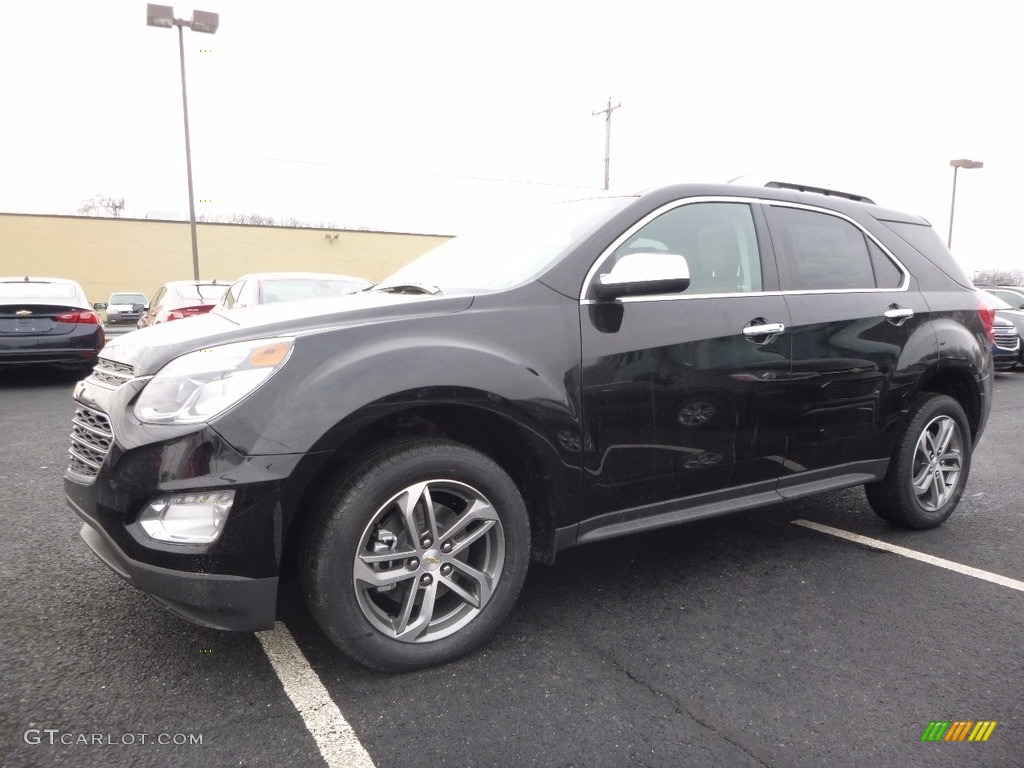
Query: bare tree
pixel 1000 277
pixel 98 203
pixel 113 206
pixel 257 219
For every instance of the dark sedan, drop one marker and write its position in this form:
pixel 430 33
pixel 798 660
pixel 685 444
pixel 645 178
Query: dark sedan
pixel 47 320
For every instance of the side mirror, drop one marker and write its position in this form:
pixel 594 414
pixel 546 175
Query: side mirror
pixel 644 274
pixel 99 306
pixel 138 307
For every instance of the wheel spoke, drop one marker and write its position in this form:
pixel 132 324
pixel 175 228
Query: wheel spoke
pixel 946 431
pixel 408 604
pixel 950 460
pixel 384 557
pixel 412 498
pixel 479 511
pixel 406 630
pixel 483 582
pixel 467 597
pixel 367 575
pixel 429 513
pixel 922 480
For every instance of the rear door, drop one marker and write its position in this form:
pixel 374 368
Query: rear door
pixel 854 311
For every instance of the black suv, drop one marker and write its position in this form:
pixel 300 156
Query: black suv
pixel 573 373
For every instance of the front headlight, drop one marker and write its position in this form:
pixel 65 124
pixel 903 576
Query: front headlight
pixel 198 386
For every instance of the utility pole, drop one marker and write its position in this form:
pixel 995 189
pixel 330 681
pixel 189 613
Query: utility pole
pixel 607 112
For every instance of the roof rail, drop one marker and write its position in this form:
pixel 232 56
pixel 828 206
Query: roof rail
pixel 820 191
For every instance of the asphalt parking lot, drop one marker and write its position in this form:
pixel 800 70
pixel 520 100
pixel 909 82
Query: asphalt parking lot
pixel 740 641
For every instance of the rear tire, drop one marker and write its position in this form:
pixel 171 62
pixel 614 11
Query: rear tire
pixel 417 556
pixel 929 467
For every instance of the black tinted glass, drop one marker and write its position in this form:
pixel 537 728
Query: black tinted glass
pixel 820 252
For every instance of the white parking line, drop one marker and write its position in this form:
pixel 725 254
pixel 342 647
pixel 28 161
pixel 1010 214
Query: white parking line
pixel 967 570
pixel 334 736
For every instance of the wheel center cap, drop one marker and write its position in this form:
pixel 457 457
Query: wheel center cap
pixel 432 559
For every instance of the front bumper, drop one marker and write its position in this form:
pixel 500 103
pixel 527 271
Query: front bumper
pixel 212 600
pixel 119 466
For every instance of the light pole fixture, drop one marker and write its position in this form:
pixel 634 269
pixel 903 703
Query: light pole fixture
pixel 957 165
pixel 202 21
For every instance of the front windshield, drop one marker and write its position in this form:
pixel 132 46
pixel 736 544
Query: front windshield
pixel 508 251
pixel 127 298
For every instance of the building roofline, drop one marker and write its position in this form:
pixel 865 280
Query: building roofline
pixel 222 224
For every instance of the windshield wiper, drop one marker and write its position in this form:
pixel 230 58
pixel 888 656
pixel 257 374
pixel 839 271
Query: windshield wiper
pixel 431 290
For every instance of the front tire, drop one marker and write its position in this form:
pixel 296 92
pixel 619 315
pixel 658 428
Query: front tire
pixel 417 556
pixel 929 467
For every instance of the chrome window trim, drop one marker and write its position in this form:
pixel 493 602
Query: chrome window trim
pixel 679 297
pixel 904 283
pixel 903 287
pixel 592 273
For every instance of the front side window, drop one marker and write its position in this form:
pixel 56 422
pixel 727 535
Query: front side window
pixel 717 239
pixel 821 252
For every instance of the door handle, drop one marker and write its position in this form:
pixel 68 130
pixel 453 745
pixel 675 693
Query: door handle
pixel 898 314
pixel 764 329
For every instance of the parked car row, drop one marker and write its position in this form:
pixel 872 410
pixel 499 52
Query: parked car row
pixel 188 298
pixel 46 320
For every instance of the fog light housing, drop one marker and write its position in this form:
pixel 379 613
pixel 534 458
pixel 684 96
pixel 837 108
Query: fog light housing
pixel 188 518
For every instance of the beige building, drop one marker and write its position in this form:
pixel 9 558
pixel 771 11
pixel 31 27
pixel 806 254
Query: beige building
pixel 107 255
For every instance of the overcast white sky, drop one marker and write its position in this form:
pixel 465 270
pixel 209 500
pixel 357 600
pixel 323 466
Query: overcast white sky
pixel 419 116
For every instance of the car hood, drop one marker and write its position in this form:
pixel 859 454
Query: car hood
pixel 149 349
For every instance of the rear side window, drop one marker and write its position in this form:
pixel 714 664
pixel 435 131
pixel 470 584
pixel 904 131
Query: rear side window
pixel 820 252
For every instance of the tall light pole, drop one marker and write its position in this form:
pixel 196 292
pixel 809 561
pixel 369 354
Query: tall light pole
pixel 957 165
pixel 202 21
pixel 607 112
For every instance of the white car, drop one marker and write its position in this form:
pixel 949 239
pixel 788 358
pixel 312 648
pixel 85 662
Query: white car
pixel 124 307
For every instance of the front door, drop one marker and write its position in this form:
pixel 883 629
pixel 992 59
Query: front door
pixel 681 392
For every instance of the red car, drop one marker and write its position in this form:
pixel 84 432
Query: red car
pixel 185 298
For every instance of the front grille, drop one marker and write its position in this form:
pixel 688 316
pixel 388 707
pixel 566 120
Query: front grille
pixel 1007 338
pixel 112 374
pixel 91 438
